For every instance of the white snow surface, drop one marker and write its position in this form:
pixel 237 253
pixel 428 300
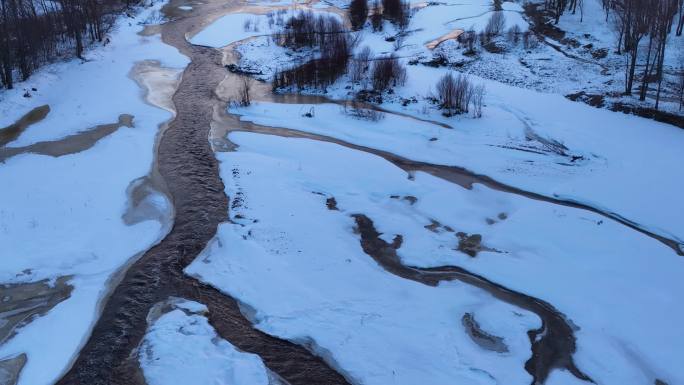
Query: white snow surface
pixel 231 28
pixel 84 94
pixel 621 153
pixel 310 282
pixel 63 216
pixel 300 266
pixel 235 27
pixel 181 348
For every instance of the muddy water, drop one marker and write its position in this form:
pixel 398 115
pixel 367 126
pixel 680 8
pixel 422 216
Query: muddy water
pixel 553 344
pixel 10 369
pixel 71 144
pixel 22 302
pixel 159 83
pixel 13 131
pixel 187 164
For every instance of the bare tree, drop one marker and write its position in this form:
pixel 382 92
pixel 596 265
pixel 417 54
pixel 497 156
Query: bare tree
pixel 478 99
pixel 495 24
pixel 633 22
pixel 35 32
pixel 376 16
pixel 244 88
pixel 360 64
pixel 454 93
pixel 324 34
pixel 514 34
pixel 556 7
pixel 681 88
pixel 680 24
pixel 666 11
pixel 397 11
pixel 358 13
pixel 387 72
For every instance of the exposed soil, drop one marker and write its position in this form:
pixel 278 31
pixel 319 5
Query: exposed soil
pixel 470 244
pixel 553 344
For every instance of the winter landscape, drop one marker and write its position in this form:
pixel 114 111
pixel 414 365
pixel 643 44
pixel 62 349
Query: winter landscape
pixel 374 192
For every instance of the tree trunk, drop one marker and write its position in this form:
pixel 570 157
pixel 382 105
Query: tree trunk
pixel 644 80
pixel 631 68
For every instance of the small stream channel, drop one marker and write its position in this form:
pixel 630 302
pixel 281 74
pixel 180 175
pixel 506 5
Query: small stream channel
pixel 186 162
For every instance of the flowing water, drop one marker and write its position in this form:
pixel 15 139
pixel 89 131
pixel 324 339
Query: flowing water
pixel 187 164
pixel 189 172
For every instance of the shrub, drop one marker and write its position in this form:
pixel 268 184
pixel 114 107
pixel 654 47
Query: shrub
pixel 323 33
pixel 478 100
pixel 357 110
pixel 358 12
pixel 244 89
pixel 397 11
pixel 387 72
pixel 360 64
pixel 456 93
pixel 514 35
pixel 468 39
pixel 530 41
pixel 495 24
pixel 376 16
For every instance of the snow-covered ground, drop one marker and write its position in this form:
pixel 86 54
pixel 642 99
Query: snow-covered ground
pixel 231 28
pixel 180 347
pixel 309 279
pixel 620 153
pixel 301 267
pixel 235 27
pixel 96 91
pixel 63 216
pixel 571 258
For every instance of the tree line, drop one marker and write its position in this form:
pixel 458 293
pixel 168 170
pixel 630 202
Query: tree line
pixel 35 32
pixel 635 21
pixel 397 12
pixel 323 34
pixel 642 29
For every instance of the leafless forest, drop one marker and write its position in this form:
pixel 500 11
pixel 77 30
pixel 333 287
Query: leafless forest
pixel 34 32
